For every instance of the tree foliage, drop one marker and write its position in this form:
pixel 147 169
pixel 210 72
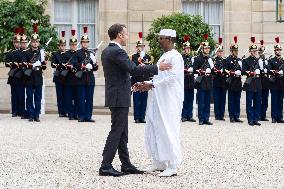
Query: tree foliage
pixel 184 24
pixel 19 13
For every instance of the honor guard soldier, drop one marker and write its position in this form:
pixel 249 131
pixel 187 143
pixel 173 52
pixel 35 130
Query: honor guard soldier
pixel 188 82
pixel 14 60
pixel 35 65
pixel 252 85
pixel 84 61
pixel 140 98
pixel 71 88
pixel 203 66
pixel 233 71
pixel 58 61
pixel 276 67
pixel 265 82
pixel 219 83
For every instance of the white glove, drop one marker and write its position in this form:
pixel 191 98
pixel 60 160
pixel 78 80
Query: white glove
pixel 222 70
pixel 93 58
pixel 142 54
pixel 265 70
pixel 210 61
pixel 42 55
pixel 238 72
pixel 37 63
pixel 208 71
pixel 280 72
pixel 260 63
pixel 190 70
pixel 89 66
pixel 257 71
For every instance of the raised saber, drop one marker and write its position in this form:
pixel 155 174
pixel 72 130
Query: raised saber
pixel 47 43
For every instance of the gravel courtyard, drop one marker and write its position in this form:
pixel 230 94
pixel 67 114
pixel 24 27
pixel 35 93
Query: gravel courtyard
pixel 58 153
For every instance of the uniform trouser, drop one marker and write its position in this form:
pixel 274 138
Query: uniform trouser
pixel 85 101
pixel 187 103
pixel 219 101
pixel 18 99
pixel 277 104
pixel 253 105
pixel 140 105
pixel 34 95
pixel 60 95
pixel 234 98
pixel 71 101
pixel 203 97
pixel 118 137
pixel 264 102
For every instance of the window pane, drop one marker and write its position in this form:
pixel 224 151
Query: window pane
pixel 86 11
pixel 212 12
pixel 60 13
pixel 192 8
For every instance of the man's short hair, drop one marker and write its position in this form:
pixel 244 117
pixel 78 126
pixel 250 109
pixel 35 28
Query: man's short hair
pixel 114 30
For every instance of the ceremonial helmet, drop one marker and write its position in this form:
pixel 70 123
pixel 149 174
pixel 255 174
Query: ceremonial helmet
pixel 35 35
pixel 85 37
pixel 17 36
pixel 261 47
pixel 186 43
pixel 24 38
pixel 139 43
pixel 220 46
pixel 253 46
pixel 277 46
pixel 73 38
pixel 62 39
pixel 205 43
pixel 234 46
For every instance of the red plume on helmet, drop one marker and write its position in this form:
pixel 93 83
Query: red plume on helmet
pixel 261 42
pixel 73 32
pixel 186 38
pixel 252 39
pixel 140 34
pixel 220 40
pixel 205 36
pixel 17 30
pixel 35 28
pixel 277 39
pixel 85 29
pixel 236 39
pixel 23 31
pixel 63 34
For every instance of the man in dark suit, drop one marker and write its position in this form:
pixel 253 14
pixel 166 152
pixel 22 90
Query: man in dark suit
pixel 117 69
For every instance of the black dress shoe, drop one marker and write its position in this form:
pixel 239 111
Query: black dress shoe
pixel 201 123
pixel 222 119
pixel 257 123
pixel 238 120
pixel 90 120
pixel 191 120
pixel 274 120
pixel 232 120
pixel 110 171
pixel 137 121
pixel 208 123
pixel 81 120
pixel 264 119
pixel 280 121
pixel 31 119
pixel 142 121
pixel 183 119
pixel 251 123
pixel 14 115
pixel 24 117
pixel 36 120
pixel 131 170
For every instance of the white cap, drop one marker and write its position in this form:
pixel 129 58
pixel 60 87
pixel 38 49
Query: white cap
pixel 168 32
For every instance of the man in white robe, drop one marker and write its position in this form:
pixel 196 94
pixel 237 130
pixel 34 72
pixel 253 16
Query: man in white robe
pixel 164 109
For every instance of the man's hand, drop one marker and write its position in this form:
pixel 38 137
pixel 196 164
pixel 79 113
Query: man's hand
pixel 164 65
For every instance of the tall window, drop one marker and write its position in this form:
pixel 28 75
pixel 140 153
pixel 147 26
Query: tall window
pixel 74 14
pixel 211 11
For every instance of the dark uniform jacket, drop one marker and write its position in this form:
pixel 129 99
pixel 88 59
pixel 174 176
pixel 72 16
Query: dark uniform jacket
pixel 265 82
pixel 117 69
pixel 70 78
pixel 36 78
pixel 233 82
pixel 219 79
pixel 188 77
pixel 201 62
pixel 277 81
pixel 140 78
pixel 252 83
pixel 82 57
pixel 57 61
pixel 12 59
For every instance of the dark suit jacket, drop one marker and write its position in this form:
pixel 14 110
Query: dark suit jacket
pixel 117 69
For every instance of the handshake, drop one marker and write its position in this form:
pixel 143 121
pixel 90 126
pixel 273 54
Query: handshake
pixel 142 86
